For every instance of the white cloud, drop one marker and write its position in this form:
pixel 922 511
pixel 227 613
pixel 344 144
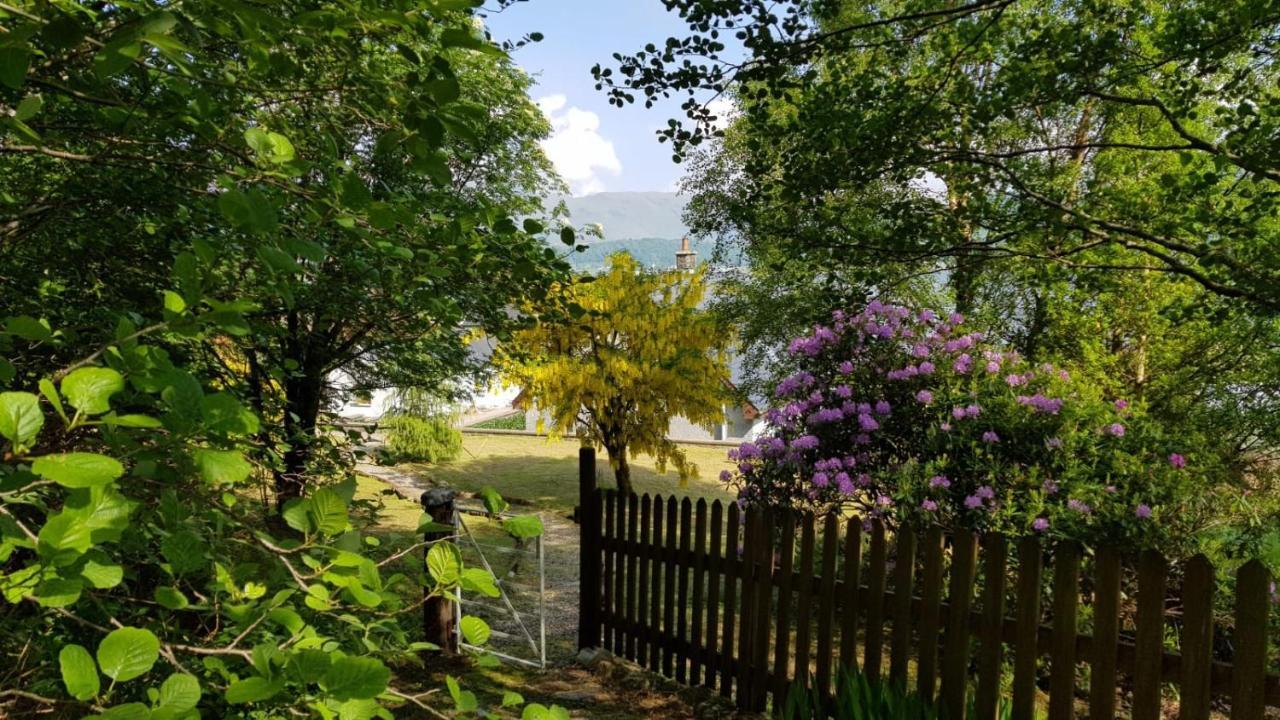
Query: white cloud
pixel 577 149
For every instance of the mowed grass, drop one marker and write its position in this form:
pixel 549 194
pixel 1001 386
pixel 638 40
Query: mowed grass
pixel 543 473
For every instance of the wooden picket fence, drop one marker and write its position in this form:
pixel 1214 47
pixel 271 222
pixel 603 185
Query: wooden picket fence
pixel 721 598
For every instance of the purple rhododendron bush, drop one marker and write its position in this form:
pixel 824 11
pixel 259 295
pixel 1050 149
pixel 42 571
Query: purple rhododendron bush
pixel 915 418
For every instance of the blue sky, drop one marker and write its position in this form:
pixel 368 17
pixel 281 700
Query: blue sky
pixel 596 147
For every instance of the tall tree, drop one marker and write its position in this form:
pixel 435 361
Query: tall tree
pixel 342 177
pixel 618 356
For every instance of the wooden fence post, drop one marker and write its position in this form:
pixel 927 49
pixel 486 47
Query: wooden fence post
pixel 438 612
pixel 589 550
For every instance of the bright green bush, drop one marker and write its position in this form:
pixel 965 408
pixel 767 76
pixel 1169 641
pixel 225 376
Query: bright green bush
pixel 417 438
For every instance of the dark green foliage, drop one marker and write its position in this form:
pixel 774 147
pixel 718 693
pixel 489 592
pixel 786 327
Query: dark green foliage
pixel 856 698
pixel 509 422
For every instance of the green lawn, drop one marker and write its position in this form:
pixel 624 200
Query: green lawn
pixel 544 473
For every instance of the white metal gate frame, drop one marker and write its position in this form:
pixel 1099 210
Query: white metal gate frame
pixel 538 646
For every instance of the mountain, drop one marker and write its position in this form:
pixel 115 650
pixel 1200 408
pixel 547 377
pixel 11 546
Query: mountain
pixel 630 215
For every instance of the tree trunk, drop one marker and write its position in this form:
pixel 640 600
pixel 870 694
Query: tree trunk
pixel 621 469
pixel 303 395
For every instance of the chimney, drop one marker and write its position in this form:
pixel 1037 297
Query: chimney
pixel 686 259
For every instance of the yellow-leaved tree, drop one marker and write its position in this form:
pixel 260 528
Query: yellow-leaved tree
pixel 617 356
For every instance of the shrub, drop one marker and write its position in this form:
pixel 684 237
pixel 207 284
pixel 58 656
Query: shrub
pixel 417 438
pixel 915 418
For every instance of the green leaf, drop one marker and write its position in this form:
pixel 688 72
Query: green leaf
pixel 20 418
pixel 252 689
pixel 297 515
pixel 171 598
pixel 29 107
pixel 478 580
pixel 444 562
pixel 79 673
pixel 131 421
pixel 351 678
pixel 493 501
pixel 224 414
pixel 428 524
pixel 64 533
pixel 180 691
pixel 29 328
pixel 463 700
pixel 329 511
pixel 100 572
pixel 474 630
pixel 535 711
pixel 14 60
pixel 51 394
pixel 524 526
pixel 512 699
pixel 270 146
pixel 89 389
pixel 127 653
pixel 174 303
pixel 78 469
pixel 222 467
pixel 567 235
pixel 184 551
pixel 128 711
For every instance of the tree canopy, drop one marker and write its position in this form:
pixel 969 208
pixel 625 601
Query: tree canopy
pixel 618 356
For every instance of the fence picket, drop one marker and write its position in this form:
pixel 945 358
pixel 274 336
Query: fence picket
pixel 1149 638
pixel 782 624
pixel 930 615
pixel 746 616
pixel 1106 633
pixel 955 655
pixel 873 637
pixel 849 607
pixel 642 583
pixel 1253 589
pixel 1062 668
pixel 991 654
pixel 669 588
pixel 903 592
pixel 826 605
pixel 805 602
pixel 713 590
pixel 1027 614
pixel 759 656
pixel 633 561
pixel 731 566
pixel 1197 638
pixel 620 560
pixel 697 648
pixel 607 603
pixel 655 597
pixel 682 593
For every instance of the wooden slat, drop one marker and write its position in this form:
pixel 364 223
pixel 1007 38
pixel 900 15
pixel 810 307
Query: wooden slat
pixel 1062 659
pixel 782 639
pixel 1253 588
pixel 930 615
pixel 682 590
pixel 763 611
pixel 955 657
pixel 849 607
pixel 1149 638
pixel 1027 613
pixel 620 561
pixel 874 634
pixel 655 595
pixel 699 582
pixel 1197 638
pixel 732 526
pixel 633 561
pixel 1106 633
pixel 903 587
pixel 826 605
pixel 805 602
pixel 669 588
pixel 610 496
pixel 642 583
pixel 991 653
pixel 746 624
pixel 713 588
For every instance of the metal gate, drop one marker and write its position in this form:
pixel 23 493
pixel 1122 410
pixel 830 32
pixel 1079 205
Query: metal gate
pixel 517 617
